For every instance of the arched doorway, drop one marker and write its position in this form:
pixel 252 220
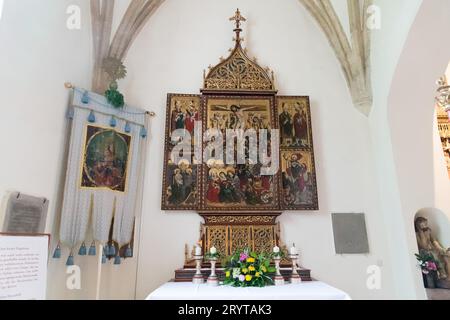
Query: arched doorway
pixel 413 129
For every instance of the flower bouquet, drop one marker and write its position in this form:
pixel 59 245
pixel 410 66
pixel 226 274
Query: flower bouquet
pixel 427 262
pixel 248 269
pixel 429 267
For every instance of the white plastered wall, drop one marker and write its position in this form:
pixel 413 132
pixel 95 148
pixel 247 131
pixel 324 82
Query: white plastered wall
pixel 354 154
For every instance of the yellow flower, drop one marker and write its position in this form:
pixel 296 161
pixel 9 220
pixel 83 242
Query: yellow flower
pixel 250 260
pixel 263 268
pixel 245 270
pixel 251 268
pixel 257 274
pixel 248 277
pixel 227 274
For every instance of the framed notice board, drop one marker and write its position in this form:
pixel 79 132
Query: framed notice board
pixel 23 266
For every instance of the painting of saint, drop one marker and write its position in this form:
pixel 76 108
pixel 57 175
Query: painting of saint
pixel 192 115
pixel 285 123
pixel 300 125
pixel 178 116
pixel 294 118
pixel 182 187
pixel 184 112
pixel 105 159
pixel 298 179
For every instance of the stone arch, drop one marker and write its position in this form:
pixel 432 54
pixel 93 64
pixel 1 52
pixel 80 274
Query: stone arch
pixel 411 119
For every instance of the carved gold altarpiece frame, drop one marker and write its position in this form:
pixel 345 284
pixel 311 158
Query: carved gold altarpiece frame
pixel 235 89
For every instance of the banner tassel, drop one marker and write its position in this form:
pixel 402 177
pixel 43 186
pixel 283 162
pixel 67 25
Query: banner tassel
pixel 85 97
pixel 69 261
pixel 92 249
pixel 57 252
pixel 112 250
pixel 82 251
pixel 128 252
pixel 91 117
pixel 113 122
pixel 127 127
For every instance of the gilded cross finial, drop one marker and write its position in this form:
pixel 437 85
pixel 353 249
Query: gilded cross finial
pixel 238 18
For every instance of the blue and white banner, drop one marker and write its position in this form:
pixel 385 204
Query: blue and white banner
pixel 104 171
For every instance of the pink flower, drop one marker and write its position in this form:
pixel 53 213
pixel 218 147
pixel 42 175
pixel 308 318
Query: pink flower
pixel 243 257
pixel 241 278
pixel 431 266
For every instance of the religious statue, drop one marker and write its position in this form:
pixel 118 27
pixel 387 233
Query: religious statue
pixel 429 244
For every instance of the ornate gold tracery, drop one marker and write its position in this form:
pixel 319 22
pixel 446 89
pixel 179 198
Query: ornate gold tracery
pixel 238 72
pixel 229 238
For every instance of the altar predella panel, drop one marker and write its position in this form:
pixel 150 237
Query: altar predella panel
pixel 220 187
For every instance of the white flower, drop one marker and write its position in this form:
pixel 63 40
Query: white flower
pixel 276 249
pixel 236 273
pixel 213 250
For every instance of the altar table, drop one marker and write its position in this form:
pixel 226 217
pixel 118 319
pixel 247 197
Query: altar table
pixel 311 290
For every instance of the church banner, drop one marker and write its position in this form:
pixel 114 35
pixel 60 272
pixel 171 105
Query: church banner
pixel 104 169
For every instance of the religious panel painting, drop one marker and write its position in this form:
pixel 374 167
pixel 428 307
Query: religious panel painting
pixel 298 176
pixel 181 170
pixel 105 159
pixel 294 121
pixel 237 185
pixel 298 180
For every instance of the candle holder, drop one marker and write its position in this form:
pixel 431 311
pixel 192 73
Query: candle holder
pixel 279 279
pixel 198 277
pixel 213 280
pixel 295 277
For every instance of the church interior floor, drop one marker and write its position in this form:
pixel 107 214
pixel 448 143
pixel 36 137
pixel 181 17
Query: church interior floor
pixel 438 294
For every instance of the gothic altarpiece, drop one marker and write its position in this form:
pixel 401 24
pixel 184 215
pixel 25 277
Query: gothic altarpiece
pixel 238 203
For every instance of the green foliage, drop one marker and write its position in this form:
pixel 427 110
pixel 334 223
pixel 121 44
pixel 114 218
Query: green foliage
pixel 424 256
pixel 115 70
pixel 114 97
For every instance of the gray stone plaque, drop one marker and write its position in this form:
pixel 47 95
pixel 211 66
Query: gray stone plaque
pixel 25 214
pixel 350 233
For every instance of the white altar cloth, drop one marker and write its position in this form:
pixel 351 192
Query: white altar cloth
pixel 311 290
